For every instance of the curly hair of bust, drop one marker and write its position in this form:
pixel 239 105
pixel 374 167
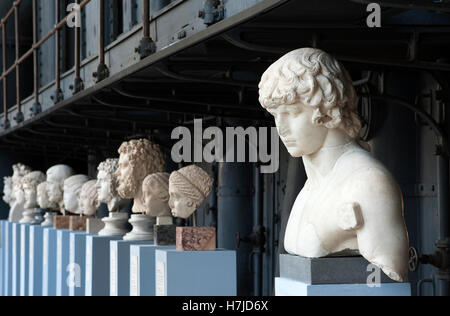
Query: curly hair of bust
pixel 315 79
pixel 145 152
pixel 7 181
pixel 89 190
pixel 34 178
pixel 110 166
pixel 159 180
pixel 19 171
pixel 193 182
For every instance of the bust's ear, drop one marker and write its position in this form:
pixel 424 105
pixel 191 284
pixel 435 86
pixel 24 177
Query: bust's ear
pixel 320 119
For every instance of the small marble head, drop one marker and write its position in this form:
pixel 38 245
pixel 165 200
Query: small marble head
pixel 138 159
pixel 29 185
pixel 106 184
pixel 55 183
pixel 155 190
pixel 309 92
pixel 188 188
pixel 7 190
pixel 72 190
pixel 19 171
pixel 89 198
pixel 42 197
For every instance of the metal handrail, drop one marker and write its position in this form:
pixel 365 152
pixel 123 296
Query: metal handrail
pixel 147 48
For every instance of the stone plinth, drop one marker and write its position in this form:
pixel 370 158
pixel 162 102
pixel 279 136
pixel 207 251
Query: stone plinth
pixel 61 222
pixel 196 238
pixel 94 225
pixel 78 223
pixel 116 224
pixel 165 235
pixel 142 228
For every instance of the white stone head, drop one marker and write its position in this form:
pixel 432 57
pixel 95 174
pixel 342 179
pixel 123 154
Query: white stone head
pixel 107 184
pixel 42 197
pixel 19 171
pixel 72 190
pixel 7 190
pixel 309 93
pixel 89 198
pixel 155 190
pixel 29 185
pixel 138 159
pixel 188 188
pixel 55 183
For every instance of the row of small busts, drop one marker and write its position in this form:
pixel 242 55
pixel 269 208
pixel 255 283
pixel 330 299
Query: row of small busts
pixel 137 175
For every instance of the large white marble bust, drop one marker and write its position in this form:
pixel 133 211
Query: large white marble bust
pixel 88 200
pixel 42 198
pixel 188 188
pixel 56 176
pixel 72 190
pixel 138 159
pixel 29 185
pixel 155 190
pixel 107 185
pixel 7 191
pixel 350 203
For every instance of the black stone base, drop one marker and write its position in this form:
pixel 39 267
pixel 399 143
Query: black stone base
pixel 165 235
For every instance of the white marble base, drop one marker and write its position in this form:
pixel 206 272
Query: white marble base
pixel 115 225
pixel 48 219
pixel 142 228
pixel 28 217
pixel 16 213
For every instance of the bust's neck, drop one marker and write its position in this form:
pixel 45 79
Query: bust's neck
pixel 319 164
pixel 113 204
pixel 138 206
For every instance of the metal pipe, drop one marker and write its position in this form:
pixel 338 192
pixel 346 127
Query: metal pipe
pixel 5 99
pixel 36 106
pixel 102 71
pixel 146 19
pixel 78 83
pixel 58 96
pixel 257 223
pixel 19 116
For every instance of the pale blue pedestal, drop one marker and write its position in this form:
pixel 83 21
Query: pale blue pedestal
pixel 288 287
pixel 77 262
pixel 2 256
pixel 7 259
pixel 119 282
pixel 62 261
pixel 199 273
pixel 49 262
pixel 97 265
pixel 142 269
pixel 24 258
pixel 16 242
pixel 35 267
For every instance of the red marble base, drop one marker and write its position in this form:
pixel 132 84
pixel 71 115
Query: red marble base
pixel 196 238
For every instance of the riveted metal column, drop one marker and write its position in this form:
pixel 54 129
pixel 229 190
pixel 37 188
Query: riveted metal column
pixel 19 116
pixel 58 95
pixel 102 71
pixel 36 109
pixel 147 45
pixel 78 82
pixel 6 123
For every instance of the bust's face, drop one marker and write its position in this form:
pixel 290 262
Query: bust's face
pixel 7 190
pixel 126 177
pixel 30 195
pixel 104 186
pixel 71 198
pixel 156 200
pixel 54 191
pixel 19 194
pixel 87 204
pixel 181 206
pixel 296 128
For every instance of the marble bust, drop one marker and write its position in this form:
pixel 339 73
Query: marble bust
pixel 88 200
pixel 7 190
pixel 155 189
pixel 45 204
pixel 17 194
pixel 29 186
pixel 188 188
pixel 72 190
pixel 350 204
pixel 56 176
pixel 116 224
pixel 138 159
